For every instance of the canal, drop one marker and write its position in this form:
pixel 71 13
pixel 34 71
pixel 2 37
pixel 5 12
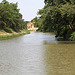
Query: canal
pixel 37 54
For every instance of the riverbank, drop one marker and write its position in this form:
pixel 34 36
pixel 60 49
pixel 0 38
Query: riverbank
pixel 6 35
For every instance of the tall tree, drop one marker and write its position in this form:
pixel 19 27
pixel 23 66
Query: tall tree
pixel 58 16
pixel 10 16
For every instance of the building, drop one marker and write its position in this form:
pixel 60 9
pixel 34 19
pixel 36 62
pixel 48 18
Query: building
pixel 30 26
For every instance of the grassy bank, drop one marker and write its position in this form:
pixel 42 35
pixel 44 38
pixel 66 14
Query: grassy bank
pixel 6 35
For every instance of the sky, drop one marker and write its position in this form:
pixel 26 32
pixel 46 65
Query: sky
pixel 28 8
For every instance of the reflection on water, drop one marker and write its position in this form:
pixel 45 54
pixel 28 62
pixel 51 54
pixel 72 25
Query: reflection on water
pixel 60 59
pixel 37 54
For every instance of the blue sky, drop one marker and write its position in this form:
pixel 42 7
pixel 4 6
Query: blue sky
pixel 28 8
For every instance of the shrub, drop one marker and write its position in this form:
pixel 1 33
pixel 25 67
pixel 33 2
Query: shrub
pixel 16 30
pixel 72 36
pixel 9 30
pixel 27 32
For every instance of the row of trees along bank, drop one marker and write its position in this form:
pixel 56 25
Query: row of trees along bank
pixel 58 16
pixel 10 18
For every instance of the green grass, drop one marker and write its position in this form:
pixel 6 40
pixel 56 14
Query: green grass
pixel 6 36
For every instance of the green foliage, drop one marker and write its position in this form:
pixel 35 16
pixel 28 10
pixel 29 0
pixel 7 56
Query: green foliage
pixel 58 16
pixel 10 16
pixel 27 31
pixel 9 30
pixel 36 21
pixel 72 36
pixel 57 2
pixel 25 24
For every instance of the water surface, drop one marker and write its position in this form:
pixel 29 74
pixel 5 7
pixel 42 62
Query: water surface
pixel 37 54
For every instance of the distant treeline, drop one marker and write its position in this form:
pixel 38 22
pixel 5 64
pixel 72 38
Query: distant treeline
pixel 10 16
pixel 58 16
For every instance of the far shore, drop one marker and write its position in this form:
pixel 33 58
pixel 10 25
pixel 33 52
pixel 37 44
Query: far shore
pixel 6 35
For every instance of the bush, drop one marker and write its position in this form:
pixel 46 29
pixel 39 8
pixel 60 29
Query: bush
pixel 72 36
pixel 9 30
pixel 27 32
pixel 16 30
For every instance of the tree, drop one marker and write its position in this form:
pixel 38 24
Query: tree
pixel 36 21
pixel 10 16
pixel 58 16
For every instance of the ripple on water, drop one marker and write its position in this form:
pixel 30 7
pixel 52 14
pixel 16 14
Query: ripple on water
pixel 37 54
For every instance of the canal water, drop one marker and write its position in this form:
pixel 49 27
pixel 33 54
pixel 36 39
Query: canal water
pixel 37 54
